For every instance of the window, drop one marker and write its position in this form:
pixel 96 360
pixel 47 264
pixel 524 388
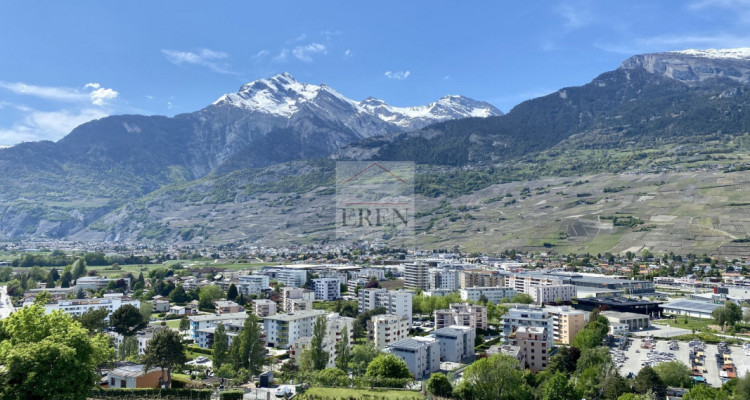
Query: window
pixel 112 381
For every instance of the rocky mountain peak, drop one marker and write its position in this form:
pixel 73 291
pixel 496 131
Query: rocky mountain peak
pixel 694 66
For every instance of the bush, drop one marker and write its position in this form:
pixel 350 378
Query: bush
pixel 198 394
pixel 200 350
pixel 231 395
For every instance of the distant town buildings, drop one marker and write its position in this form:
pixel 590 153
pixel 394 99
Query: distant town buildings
pixel 76 307
pixel 398 302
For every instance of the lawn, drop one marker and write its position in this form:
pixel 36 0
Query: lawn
pixel 700 325
pixel 316 393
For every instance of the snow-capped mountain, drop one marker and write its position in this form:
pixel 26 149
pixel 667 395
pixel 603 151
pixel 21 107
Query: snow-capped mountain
pixel 692 66
pixel 284 96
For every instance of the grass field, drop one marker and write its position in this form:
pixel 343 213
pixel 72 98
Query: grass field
pixel 700 325
pixel 346 394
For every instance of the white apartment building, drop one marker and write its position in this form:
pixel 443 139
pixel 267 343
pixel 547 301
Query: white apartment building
pixel 386 329
pixel 198 322
pixel 282 330
pixel 296 299
pixel 444 278
pixel 534 343
pixel 493 294
pixel 335 323
pixel 327 288
pixel 462 314
pixel 416 276
pixel 551 293
pixel 290 277
pixel 253 284
pixel 421 355
pixel 77 307
pixel 456 343
pixel 368 273
pixel 232 328
pixel 529 317
pixel 522 282
pixel 264 308
pixel 398 302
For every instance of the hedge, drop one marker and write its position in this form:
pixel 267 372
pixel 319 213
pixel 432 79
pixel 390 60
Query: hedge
pixel 231 395
pixel 200 350
pixel 196 394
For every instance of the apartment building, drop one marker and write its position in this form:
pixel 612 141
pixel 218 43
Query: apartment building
pixel 522 282
pixel 264 308
pixel 253 284
pixel 551 293
pixel 416 275
pixel 456 343
pixel 566 323
pixel 462 314
pixel 77 307
pixel 282 330
pixel 444 278
pixel 227 306
pixel 421 355
pixel 327 288
pixel 387 328
pixel 296 299
pixel 369 273
pixel 335 323
pixel 494 295
pixel 480 278
pixel 529 317
pixel 290 277
pixel 198 322
pixel 534 343
pixel 398 302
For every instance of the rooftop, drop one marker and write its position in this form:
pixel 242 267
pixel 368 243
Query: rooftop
pixel 133 370
pixel 216 317
pixel 293 316
pixel 410 343
pixel 692 305
pixel 451 331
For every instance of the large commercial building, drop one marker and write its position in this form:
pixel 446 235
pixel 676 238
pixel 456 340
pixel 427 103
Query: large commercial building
pixel 522 280
pixel 77 307
pixel 421 355
pixel 282 330
pixel 534 343
pixel 691 308
pixel 529 317
pixel 462 314
pixel 327 288
pixel 566 323
pixel 398 302
pixel 456 343
pixel 494 295
pixel 386 329
pixel 634 321
pixel 253 284
pixel 621 304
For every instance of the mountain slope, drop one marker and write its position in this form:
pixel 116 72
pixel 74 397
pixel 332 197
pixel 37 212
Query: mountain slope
pixel 54 189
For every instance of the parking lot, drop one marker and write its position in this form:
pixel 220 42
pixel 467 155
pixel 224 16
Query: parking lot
pixel 636 356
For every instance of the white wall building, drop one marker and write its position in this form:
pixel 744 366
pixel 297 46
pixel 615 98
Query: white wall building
pixel 444 278
pixel 290 277
pixel 264 307
pixel 456 343
pixel 530 317
pixel 493 294
pixel 421 355
pixel 398 302
pixel 198 322
pixel 551 293
pixel 387 328
pixel 327 288
pixel 77 307
pixel 253 284
pixel 462 314
pixel 282 330
pixel 296 299
pixel 368 273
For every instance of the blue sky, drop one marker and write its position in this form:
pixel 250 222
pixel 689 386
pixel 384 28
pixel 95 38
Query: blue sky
pixel 64 63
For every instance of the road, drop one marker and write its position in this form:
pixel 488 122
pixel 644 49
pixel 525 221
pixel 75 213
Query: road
pixel 6 307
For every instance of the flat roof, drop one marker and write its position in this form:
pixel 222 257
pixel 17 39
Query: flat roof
pixel 295 315
pixel 409 343
pixel 627 315
pixel 452 331
pixel 617 301
pixel 692 305
pixel 214 317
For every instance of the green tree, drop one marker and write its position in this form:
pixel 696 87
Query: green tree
pixel 184 324
pixel 65 280
pixel 703 392
pixel 209 294
pixel 439 385
pixel 648 380
pixel 592 334
pixel 79 268
pixel 220 347
pixel 80 294
pixel 127 320
pixel 128 348
pixel 332 377
pixel 232 292
pixel 614 386
pixel 343 352
pixel 565 360
pixel 522 298
pixel 674 373
pixel 557 387
pixel 251 349
pixel 388 366
pixel 634 396
pixel 48 356
pixel 178 295
pixel 50 284
pixel 146 309
pixel 166 351
pixel 362 355
pixel 494 378
pixel 317 353
pixel 94 319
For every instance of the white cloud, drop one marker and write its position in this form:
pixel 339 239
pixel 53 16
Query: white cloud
pixel 208 58
pixel 347 53
pixel 149 97
pixel 306 52
pixel 261 53
pixel 575 15
pixel 47 125
pixel 97 96
pixel 397 75
pixel 445 78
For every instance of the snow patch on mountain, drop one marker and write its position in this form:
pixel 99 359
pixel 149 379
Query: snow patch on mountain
pixel 742 53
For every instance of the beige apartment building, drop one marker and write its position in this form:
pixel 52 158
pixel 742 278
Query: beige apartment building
pixel 566 323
